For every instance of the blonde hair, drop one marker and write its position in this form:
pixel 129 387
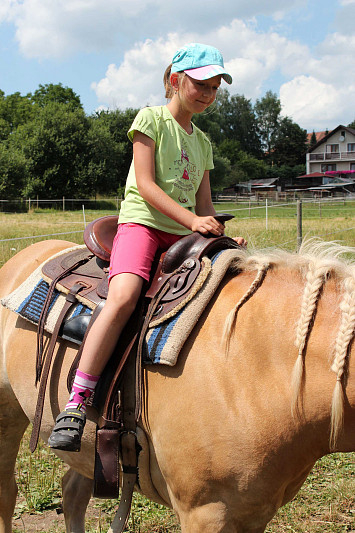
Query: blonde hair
pixel 169 90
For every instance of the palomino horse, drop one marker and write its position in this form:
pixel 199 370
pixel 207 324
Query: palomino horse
pixel 233 430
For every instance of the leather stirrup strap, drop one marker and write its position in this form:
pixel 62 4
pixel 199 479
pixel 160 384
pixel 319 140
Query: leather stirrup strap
pixel 69 301
pixel 129 465
pixel 44 313
pixel 128 448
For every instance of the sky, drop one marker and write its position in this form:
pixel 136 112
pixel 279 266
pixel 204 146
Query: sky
pixel 113 53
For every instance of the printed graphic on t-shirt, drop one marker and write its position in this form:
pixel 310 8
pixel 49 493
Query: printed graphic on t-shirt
pixel 186 175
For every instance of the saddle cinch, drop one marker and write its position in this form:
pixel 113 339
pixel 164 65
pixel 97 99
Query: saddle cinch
pixel 84 273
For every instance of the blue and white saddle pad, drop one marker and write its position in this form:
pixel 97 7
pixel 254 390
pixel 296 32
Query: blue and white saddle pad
pixel 165 337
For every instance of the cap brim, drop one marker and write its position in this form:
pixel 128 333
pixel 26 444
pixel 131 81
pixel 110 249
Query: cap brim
pixel 209 71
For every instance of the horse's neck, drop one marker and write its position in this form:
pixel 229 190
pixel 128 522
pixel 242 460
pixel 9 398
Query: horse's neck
pixel 265 350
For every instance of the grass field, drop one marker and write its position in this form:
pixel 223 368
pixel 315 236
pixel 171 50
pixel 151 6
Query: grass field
pixel 325 504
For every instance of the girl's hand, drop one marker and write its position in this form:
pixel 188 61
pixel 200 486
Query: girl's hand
pixel 241 241
pixel 207 225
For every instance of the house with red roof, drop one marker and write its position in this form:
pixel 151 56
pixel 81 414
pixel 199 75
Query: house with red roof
pixel 334 152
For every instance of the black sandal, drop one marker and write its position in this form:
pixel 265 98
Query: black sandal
pixel 68 429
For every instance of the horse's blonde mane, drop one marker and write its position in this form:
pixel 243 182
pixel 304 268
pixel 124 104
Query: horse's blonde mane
pixel 316 261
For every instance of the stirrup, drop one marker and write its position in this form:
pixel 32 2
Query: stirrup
pixel 68 430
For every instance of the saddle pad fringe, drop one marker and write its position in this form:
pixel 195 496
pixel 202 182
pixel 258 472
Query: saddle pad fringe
pixel 166 337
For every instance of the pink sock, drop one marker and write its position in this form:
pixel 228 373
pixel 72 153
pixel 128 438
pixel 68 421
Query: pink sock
pixel 83 386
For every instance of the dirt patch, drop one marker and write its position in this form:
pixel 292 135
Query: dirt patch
pixel 52 521
pixel 47 521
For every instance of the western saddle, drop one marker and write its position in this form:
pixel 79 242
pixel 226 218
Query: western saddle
pixel 118 396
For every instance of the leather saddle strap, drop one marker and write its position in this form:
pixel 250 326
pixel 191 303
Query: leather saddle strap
pixel 128 446
pixel 107 411
pixel 70 300
pixel 44 312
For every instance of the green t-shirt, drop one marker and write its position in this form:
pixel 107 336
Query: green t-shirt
pixel 180 162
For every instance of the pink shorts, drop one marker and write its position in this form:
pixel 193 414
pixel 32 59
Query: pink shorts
pixel 135 247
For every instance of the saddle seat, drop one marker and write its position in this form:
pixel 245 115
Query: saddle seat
pixel 99 235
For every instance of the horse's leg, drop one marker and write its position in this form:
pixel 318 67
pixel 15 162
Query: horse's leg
pixel 215 518
pixel 77 491
pixel 13 423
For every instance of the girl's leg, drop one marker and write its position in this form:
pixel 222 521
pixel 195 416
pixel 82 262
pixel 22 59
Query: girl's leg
pixel 133 252
pixel 123 294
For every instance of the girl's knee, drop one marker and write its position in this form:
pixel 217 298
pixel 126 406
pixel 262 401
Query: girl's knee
pixel 121 305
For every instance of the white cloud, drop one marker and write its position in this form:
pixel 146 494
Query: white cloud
pixel 8 10
pixel 138 80
pixel 318 84
pixel 250 56
pixel 315 104
pixel 61 28
pixel 344 20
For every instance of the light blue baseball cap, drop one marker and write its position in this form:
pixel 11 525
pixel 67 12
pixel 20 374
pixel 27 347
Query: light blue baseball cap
pixel 200 61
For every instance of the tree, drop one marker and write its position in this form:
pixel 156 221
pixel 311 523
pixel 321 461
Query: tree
pixel 289 144
pixel 268 111
pixel 54 146
pixel 230 149
pixel 15 110
pixel 352 124
pixel 238 122
pixel 243 166
pixel 118 123
pixel 248 167
pixel 101 165
pixel 220 175
pixel 285 171
pixel 50 92
pixel 13 171
pixel 313 140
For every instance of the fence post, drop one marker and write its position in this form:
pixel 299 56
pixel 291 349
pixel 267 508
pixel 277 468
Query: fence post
pixel 299 224
pixel 266 213
pixel 320 208
pixel 63 203
pixel 29 204
pixel 84 218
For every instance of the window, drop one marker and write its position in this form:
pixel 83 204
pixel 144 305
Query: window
pixel 333 148
pixel 352 166
pixel 351 147
pixel 327 168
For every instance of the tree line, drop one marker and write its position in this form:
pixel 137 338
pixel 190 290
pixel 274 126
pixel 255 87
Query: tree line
pixel 50 148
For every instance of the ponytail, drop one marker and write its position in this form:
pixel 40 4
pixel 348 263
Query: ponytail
pixel 169 91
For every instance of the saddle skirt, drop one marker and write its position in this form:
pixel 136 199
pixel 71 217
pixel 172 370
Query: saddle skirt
pixel 28 299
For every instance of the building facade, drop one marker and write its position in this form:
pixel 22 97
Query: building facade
pixel 335 152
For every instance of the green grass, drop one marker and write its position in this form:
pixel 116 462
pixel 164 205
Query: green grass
pixel 335 221
pixel 326 502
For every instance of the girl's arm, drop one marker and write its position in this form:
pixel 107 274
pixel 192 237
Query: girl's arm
pixel 204 205
pixel 144 164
